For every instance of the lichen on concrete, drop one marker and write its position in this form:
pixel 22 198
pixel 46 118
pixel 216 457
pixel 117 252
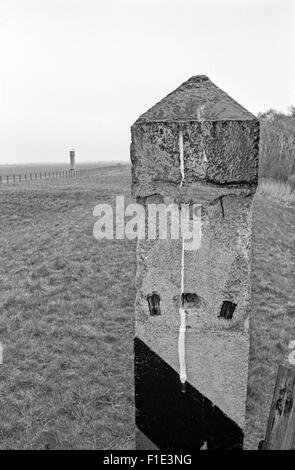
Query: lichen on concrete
pixel 231 150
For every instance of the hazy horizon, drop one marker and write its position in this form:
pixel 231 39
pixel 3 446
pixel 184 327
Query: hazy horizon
pixel 78 73
pixel 65 162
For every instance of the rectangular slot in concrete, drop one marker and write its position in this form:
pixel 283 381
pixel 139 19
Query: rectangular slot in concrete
pixel 227 309
pixel 154 304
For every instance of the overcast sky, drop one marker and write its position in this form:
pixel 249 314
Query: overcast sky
pixel 77 73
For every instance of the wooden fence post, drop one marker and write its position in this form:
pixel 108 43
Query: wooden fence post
pixel 197 147
pixel 280 432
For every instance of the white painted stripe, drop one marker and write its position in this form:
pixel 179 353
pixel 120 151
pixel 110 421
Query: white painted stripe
pixel 182 326
pixel 180 146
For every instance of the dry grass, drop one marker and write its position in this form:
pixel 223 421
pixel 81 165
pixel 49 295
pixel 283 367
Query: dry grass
pixel 279 190
pixel 66 318
pixel 273 313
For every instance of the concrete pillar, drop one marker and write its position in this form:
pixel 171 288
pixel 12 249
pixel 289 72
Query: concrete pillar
pixel 72 160
pixel 196 146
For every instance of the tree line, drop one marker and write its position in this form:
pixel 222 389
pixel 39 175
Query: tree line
pixel 277 146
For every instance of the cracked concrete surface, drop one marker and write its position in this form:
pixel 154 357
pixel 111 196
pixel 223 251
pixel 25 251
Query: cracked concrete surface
pixel 223 184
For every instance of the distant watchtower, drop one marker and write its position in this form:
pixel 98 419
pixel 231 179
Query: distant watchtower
pixel 192 308
pixel 72 160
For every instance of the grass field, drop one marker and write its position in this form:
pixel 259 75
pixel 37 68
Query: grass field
pixel 273 314
pixel 66 319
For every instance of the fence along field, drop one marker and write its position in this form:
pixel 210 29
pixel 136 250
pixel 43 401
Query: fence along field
pixel 50 174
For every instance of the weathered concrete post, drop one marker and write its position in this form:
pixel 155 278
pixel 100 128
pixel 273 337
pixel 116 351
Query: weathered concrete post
pixel 72 160
pixel 196 146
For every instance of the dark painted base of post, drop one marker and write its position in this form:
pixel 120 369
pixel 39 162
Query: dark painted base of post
pixel 170 419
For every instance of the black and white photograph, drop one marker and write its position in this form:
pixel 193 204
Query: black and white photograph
pixel 147 229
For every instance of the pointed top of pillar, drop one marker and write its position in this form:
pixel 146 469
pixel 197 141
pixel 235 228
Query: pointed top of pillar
pixel 197 99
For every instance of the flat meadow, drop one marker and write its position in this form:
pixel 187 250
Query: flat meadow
pixel 67 320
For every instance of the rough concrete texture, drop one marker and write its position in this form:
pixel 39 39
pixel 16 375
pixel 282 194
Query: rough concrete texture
pixel 216 348
pixel 143 442
pixel 221 152
pixel 220 159
pixel 195 100
pixel 221 139
pixel 197 192
pixel 218 271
